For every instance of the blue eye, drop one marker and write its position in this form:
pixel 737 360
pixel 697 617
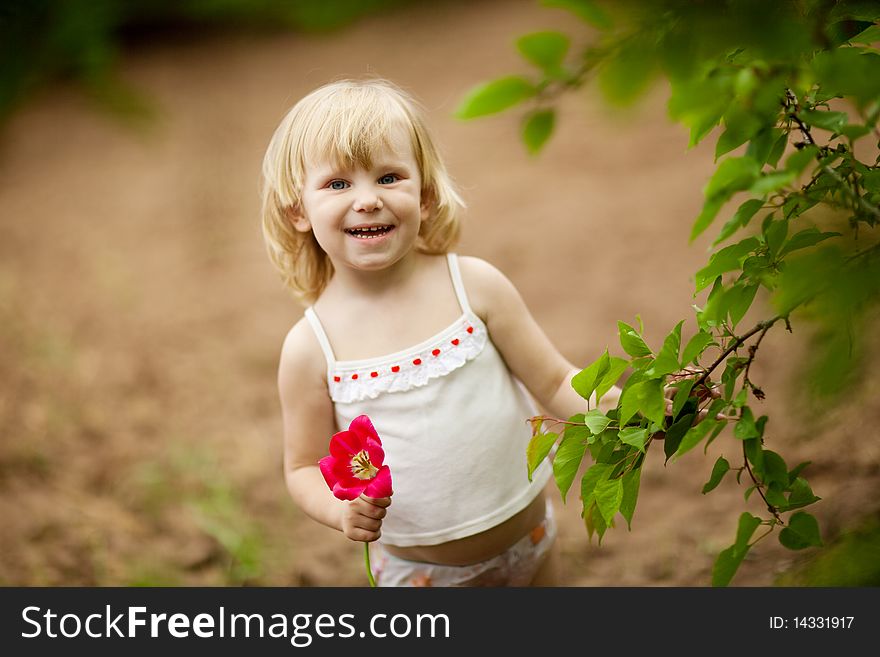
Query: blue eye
pixel 337 184
pixel 387 179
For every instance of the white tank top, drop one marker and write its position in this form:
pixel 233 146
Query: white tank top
pixel 452 419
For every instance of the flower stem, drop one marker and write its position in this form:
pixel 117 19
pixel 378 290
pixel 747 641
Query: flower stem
pixel 367 563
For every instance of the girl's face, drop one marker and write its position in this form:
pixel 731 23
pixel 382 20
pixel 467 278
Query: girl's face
pixel 365 219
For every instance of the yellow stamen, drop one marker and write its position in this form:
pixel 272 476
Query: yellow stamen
pixel 361 466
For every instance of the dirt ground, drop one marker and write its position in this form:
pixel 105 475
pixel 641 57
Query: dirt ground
pixel 140 321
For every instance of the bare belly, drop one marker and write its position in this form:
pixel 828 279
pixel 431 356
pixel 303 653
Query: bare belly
pixel 479 547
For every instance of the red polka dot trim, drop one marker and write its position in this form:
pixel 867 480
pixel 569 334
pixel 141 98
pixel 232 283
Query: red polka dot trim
pixel 416 361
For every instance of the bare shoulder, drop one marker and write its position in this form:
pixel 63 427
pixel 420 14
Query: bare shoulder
pixel 487 287
pixel 302 362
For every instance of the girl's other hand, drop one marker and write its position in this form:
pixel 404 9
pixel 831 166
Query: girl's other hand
pixel 362 518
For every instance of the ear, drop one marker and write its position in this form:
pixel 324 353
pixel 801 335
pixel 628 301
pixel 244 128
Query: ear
pixel 298 219
pixel 427 204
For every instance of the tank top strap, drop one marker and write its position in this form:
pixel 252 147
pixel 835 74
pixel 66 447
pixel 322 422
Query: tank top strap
pixel 457 283
pixel 318 330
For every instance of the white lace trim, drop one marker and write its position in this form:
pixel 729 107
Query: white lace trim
pixel 446 352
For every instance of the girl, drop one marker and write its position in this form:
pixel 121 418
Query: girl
pixel 441 352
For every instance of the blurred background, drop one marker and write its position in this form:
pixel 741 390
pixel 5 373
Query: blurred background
pixel 141 322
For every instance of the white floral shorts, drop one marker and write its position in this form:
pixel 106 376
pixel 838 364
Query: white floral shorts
pixel 516 566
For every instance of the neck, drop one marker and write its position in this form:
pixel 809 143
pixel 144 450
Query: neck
pixel 373 285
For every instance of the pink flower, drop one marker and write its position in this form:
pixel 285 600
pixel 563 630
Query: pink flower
pixel 354 465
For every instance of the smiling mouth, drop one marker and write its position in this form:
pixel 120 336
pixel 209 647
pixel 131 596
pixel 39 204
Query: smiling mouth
pixel 369 232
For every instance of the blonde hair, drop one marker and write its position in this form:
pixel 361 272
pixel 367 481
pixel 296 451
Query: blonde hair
pixel 346 121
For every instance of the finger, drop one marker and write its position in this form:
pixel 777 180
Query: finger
pixel 373 511
pixel 369 524
pixel 363 535
pixel 377 501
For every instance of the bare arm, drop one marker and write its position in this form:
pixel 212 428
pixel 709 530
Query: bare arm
pixel 526 349
pixel 307 413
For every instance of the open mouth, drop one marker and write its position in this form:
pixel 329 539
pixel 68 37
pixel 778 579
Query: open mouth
pixel 369 232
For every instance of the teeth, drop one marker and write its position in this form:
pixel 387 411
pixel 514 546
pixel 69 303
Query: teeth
pixel 364 233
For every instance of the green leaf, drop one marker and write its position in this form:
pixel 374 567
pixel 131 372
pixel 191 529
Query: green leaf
pixel 695 346
pixel 645 396
pixel 801 495
pixel 767 146
pixel 681 395
pixel 832 121
pixel 754 454
pixel 799 160
pixel 546 50
pixel 635 437
pixel 805 239
pixel 802 532
pixel 849 72
pixel 699 102
pixel 585 381
pixel 631 341
pixel 594 522
pixel 745 426
pixel 495 96
pixel 667 359
pixel 739 300
pixel 596 421
pixel 616 368
pixel 778 149
pixel 740 219
pixel 586 10
pixel 594 474
pixel 694 435
pixel 730 559
pixel 538 449
pixel 568 457
pixel 732 175
pixel 721 468
pixel 675 433
pixel 772 181
pixel 727 259
pixel 707 215
pixel 774 468
pixel 631 481
pixel 609 495
pixel 740 126
pixel 537 129
pixel 626 73
pixel 774 234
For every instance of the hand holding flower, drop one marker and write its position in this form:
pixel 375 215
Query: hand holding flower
pixel 362 518
pixel 355 472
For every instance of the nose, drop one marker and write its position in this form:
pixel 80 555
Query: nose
pixel 367 201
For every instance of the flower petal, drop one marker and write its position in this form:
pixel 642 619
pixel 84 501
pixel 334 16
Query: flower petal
pixel 326 464
pixel 344 444
pixel 343 493
pixel 375 452
pixel 344 476
pixel 380 485
pixel 363 428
